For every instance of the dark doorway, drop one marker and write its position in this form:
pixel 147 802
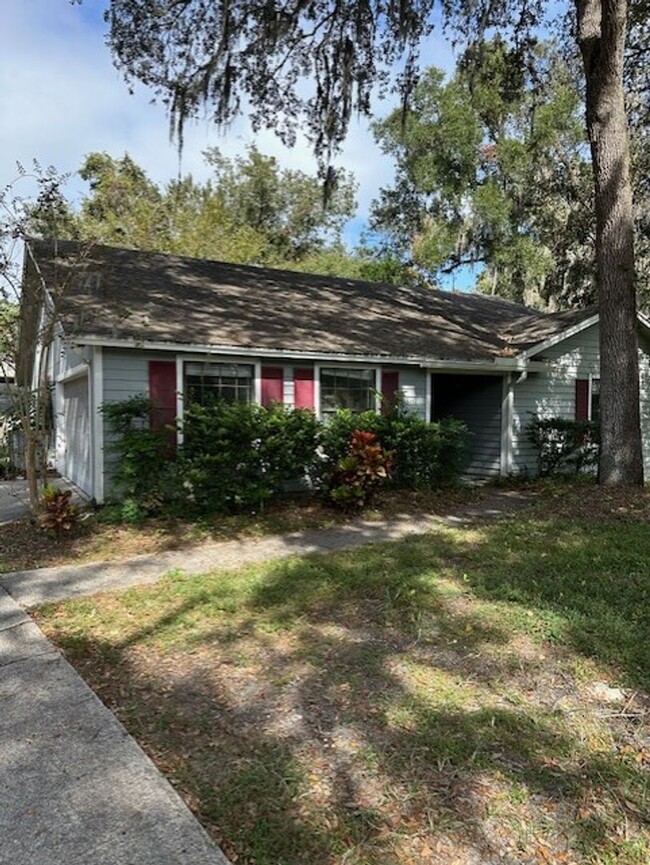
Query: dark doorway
pixel 475 400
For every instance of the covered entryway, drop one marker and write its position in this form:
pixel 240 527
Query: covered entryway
pixel 77 462
pixel 476 400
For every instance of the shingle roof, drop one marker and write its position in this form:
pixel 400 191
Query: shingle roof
pixel 143 296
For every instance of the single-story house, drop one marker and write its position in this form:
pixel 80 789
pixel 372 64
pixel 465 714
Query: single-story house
pixel 175 328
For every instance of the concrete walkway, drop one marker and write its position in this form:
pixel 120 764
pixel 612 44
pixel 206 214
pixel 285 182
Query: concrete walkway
pixel 76 788
pixel 30 588
pixel 14 498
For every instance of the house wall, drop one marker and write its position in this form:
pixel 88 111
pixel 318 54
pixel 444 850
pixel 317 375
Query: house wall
pixel 125 374
pixel 412 382
pixel 65 359
pixel 413 390
pixel 553 394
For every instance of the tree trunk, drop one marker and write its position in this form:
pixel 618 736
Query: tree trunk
pixel 601 34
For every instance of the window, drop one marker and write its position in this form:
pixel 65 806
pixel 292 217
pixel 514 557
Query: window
pixel 353 389
pixel 594 399
pixel 207 382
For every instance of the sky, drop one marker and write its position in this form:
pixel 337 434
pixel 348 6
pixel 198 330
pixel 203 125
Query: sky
pixel 61 98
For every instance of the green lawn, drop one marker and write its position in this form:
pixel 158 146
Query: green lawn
pixel 440 699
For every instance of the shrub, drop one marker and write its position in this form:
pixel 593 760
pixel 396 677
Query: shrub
pixel 426 455
pixel 360 472
pixel 236 455
pixel 59 513
pixel 144 471
pixel 564 445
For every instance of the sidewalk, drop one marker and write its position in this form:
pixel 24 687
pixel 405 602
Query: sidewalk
pixel 30 588
pixel 76 788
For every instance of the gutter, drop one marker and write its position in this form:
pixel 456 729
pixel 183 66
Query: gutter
pixel 499 364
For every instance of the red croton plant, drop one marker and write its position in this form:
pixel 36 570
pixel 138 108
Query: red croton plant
pixel 361 471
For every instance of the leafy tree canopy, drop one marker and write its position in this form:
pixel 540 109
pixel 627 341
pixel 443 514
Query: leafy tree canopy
pixel 493 168
pixel 250 211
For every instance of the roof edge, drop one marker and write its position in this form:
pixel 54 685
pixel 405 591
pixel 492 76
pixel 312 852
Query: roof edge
pixel 561 336
pixel 496 364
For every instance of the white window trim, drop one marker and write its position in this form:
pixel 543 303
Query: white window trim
pixel 379 387
pixel 342 365
pixel 182 359
pixel 316 374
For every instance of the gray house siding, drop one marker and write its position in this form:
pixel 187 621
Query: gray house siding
pixel 551 394
pixel 125 374
pixel 413 391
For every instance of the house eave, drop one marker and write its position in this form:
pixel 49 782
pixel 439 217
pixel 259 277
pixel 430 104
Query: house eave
pixel 487 365
pixel 561 336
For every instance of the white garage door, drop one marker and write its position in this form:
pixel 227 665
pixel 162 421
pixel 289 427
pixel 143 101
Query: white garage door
pixel 77 460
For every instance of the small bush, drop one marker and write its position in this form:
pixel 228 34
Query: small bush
pixel 564 445
pixel 360 472
pixel 236 456
pixel 426 455
pixel 59 513
pixel 144 473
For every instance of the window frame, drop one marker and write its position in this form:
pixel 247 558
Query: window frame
pixel 234 360
pixel 374 387
pixel 590 396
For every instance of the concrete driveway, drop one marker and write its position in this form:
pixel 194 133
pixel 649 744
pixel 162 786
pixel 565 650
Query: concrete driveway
pixel 14 498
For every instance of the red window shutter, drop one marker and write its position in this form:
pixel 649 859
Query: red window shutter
pixel 272 384
pixel 162 392
pixel 389 390
pixel 582 399
pixel 303 396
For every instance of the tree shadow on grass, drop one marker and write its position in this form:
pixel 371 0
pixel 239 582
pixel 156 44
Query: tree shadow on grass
pixel 340 709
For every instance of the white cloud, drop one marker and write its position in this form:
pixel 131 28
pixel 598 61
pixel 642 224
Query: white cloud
pixel 60 98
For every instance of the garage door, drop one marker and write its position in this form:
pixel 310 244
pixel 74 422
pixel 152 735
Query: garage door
pixel 77 461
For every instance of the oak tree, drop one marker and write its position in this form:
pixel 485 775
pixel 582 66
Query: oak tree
pixel 492 170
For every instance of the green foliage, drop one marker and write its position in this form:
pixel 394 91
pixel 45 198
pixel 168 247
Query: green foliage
pixel 359 473
pixel 426 455
pixel 144 471
pixel 59 513
pixel 251 211
pixel 8 330
pixel 236 456
pixel 564 445
pixel 493 169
